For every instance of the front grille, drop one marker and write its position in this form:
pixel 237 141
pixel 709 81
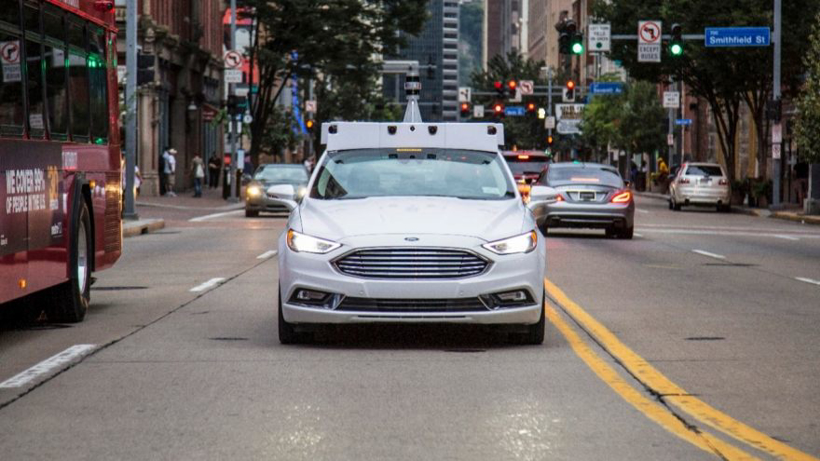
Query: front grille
pixel 411 263
pixel 410 305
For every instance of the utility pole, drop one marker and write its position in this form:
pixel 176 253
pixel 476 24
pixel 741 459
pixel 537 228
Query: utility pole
pixel 671 131
pixel 549 100
pixel 776 127
pixel 131 107
pixel 232 133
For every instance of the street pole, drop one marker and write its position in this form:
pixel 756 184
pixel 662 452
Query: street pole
pixel 549 103
pixel 776 154
pixel 232 133
pixel 131 108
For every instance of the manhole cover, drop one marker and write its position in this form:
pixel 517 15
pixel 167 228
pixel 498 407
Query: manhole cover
pixel 730 265
pixel 166 232
pixel 705 338
pixel 465 351
pixel 228 338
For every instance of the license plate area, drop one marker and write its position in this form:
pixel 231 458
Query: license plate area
pixel 706 180
pixel 586 196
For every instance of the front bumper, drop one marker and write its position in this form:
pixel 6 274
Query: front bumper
pixel 267 204
pixel 506 273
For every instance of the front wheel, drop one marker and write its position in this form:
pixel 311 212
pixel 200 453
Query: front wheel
pixel 534 335
pixel 287 332
pixel 251 213
pixel 69 301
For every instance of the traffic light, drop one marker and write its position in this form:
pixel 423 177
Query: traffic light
pixel 465 109
pixel 145 68
pixel 550 140
pixel 676 43
pixel 498 109
pixel 569 91
pixel 499 88
pixel 577 43
pixel 566 30
pixel 512 85
pixel 309 125
pixel 531 108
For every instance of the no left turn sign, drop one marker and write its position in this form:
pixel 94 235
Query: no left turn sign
pixel 649 32
pixel 233 60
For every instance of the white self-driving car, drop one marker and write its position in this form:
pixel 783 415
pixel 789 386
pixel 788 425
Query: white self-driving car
pixel 411 223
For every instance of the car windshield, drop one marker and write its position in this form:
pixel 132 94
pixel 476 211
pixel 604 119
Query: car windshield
pixel 704 170
pixel 282 174
pixel 584 175
pixel 525 164
pixel 455 173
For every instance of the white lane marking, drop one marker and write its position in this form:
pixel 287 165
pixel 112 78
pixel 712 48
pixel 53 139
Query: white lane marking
pixel 47 365
pixel 786 237
pixel 267 254
pixel 722 233
pixel 711 255
pixel 641 211
pixel 812 281
pixel 215 215
pixel 207 285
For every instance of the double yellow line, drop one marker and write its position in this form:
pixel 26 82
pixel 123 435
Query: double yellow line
pixel 653 379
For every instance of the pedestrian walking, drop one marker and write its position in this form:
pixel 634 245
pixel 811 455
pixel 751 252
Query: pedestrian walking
pixel 170 171
pixel 198 172
pixel 214 164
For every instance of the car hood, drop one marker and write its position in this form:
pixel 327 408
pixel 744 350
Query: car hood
pixel 487 220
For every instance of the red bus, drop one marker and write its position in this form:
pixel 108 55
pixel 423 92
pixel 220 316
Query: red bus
pixel 60 216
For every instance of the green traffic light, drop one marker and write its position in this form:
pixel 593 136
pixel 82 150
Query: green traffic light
pixel 676 49
pixel 577 48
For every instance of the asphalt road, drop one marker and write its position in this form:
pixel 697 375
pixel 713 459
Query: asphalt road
pixel 696 340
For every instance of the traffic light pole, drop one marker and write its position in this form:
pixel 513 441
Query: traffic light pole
pixel 549 100
pixel 131 108
pixel 232 132
pixel 776 155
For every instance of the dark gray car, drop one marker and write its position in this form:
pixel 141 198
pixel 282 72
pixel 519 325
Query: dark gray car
pixel 259 198
pixel 589 195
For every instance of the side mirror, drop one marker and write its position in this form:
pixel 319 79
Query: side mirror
pixel 285 194
pixel 543 195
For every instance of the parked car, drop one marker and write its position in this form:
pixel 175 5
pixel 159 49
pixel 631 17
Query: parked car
pixel 700 184
pixel 261 195
pixel 589 195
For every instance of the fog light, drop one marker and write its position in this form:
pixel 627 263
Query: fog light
pixel 513 296
pixel 310 296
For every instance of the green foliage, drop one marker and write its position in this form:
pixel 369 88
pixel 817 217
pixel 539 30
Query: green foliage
pixel 279 134
pixel 525 132
pixel 632 121
pixel 807 129
pixel 332 38
pixel 470 24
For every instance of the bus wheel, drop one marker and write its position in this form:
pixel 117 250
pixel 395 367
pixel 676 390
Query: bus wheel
pixel 69 301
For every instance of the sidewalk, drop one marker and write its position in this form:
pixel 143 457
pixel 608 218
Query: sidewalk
pixel 788 215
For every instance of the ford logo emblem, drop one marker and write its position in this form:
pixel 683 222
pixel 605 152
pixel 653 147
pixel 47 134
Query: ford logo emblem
pixel 412 239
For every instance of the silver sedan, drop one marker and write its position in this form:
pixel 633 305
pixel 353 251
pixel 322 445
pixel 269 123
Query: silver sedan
pixel 700 184
pixel 589 195
pixel 406 235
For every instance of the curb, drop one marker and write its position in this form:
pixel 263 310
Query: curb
pixel 143 226
pixel 815 220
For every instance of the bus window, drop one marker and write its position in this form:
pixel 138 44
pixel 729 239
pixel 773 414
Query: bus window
pixel 12 114
pixel 34 73
pixel 78 83
pixel 56 81
pixel 99 94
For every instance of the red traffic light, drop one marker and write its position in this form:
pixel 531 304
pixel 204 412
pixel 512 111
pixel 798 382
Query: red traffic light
pixel 531 107
pixel 512 84
pixel 549 140
pixel 309 124
pixel 498 108
pixel 570 85
pixel 498 85
pixel 465 108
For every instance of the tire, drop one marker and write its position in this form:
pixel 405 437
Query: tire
pixel 251 213
pixel 670 203
pixel 724 208
pixel 626 233
pixel 675 206
pixel 287 333
pixel 68 302
pixel 535 333
pixel 611 232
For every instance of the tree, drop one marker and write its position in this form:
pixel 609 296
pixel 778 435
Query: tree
pixel 321 37
pixel 601 121
pixel 725 77
pixel 526 132
pixel 807 129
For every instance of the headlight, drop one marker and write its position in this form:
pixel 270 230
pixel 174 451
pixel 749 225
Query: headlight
pixel 254 191
pixel 302 243
pixel 518 244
